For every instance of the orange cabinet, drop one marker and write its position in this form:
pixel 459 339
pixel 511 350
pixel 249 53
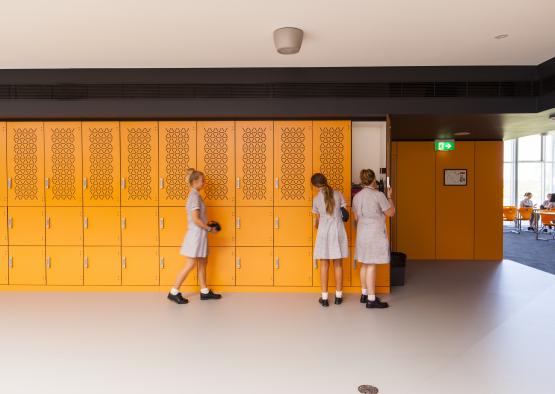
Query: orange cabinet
pixel 63 164
pixel 254 166
pixel 64 226
pixel 64 265
pixel 254 226
pixel 221 266
pixel 139 226
pixel 178 151
pixel 101 226
pixel 331 274
pixel 216 159
pixel 173 226
pixel 3 225
pixel 225 216
pixel 26 225
pixel 101 164
pixel 293 266
pixel 3 168
pixel 4 265
pixel 102 265
pixel 254 266
pixel 139 163
pixel 171 263
pixel 140 266
pixel 292 163
pixel 25 163
pixel 292 226
pixel 26 265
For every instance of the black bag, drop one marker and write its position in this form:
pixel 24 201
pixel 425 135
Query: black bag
pixel 344 214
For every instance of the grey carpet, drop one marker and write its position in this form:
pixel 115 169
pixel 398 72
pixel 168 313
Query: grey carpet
pixel 525 249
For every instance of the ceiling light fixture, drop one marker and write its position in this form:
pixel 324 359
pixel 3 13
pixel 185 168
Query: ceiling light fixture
pixel 552 116
pixel 288 40
pixel 501 36
pixel 461 133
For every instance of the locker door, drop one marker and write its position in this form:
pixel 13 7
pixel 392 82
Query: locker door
pixel 178 151
pixel 139 226
pixel 292 226
pixel 26 225
pixel 382 274
pixel 226 217
pixel 139 163
pixel 331 273
pixel 140 266
pixel 3 225
pixel 64 265
pixel 64 226
pixel 102 265
pixel 293 266
pixel 254 266
pixel 216 159
pixel 101 164
pixel 26 265
pixel 254 166
pixel 101 226
pixel 25 154
pixel 171 262
pixel 292 163
pixel 173 226
pixel 3 166
pixel 220 270
pixel 63 164
pixel 254 226
pixel 4 265
pixel 332 154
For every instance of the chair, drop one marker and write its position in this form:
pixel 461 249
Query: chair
pixel 509 215
pixel 524 214
pixel 548 223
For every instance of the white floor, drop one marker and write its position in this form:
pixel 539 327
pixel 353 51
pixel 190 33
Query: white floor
pixel 458 327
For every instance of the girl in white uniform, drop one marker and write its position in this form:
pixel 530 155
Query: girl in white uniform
pixel 370 207
pixel 331 239
pixel 195 244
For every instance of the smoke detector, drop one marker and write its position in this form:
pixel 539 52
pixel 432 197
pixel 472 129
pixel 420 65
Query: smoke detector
pixel 288 40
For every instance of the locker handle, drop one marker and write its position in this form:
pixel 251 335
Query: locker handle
pixel 276 222
pixel 277 263
pixel 354 264
pixel 161 183
pixel 9 183
pixel 123 223
pixel 276 183
pixel 10 222
pixel 315 264
pixel 162 223
pixel 84 182
pixel 86 222
pixel 162 262
pixel 123 262
pixel 10 262
pixel 86 262
pixel 48 262
pixel 48 222
pixel 123 183
pixel 46 183
pixel 238 222
pixel 238 263
pixel 238 183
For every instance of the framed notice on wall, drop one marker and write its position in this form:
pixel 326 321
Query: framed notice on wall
pixel 454 177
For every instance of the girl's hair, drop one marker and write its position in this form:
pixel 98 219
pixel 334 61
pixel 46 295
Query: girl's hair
pixel 527 194
pixel 319 180
pixel 192 175
pixel 367 177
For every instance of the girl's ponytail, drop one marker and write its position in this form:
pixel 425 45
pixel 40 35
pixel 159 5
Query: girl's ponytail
pixel 319 180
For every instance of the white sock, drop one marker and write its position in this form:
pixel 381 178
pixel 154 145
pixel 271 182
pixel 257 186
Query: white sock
pixel 204 291
pixel 324 296
pixel 174 291
pixel 338 294
pixel 364 291
pixel 371 297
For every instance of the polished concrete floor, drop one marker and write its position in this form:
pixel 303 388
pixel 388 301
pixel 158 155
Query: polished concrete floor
pixel 458 327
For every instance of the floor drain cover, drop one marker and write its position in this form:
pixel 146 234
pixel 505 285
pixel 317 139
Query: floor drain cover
pixel 367 389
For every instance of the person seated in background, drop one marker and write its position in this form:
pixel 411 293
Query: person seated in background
pixel 547 204
pixel 527 202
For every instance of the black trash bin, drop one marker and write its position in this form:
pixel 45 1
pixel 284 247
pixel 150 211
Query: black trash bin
pixel 397 269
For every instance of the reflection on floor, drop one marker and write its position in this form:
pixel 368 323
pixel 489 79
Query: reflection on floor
pixel 525 249
pixel 457 327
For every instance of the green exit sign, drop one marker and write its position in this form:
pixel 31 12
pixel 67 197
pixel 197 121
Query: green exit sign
pixel 445 145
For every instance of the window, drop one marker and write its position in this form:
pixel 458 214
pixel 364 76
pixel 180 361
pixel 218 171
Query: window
pixel 530 148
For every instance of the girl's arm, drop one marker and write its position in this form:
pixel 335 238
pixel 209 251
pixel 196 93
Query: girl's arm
pixel 316 220
pixel 198 222
pixel 391 211
pixel 355 217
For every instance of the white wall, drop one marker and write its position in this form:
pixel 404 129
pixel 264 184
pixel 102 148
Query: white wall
pixel 368 147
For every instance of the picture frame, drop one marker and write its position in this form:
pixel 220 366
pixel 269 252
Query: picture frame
pixel 455 177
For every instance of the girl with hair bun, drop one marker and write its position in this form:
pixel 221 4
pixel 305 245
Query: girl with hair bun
pixel 331 239
pixel 195 244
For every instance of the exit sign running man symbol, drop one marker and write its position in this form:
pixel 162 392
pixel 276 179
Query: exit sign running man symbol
pixel 444 145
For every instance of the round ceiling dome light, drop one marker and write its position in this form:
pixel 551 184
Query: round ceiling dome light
pixel 288 40
pixel 501 36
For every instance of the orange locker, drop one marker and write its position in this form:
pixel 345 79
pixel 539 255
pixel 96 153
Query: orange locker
pixel 178 151
pixel 139 226
pixel 216 159
pixel 254 226
pixel 64 226
pixel 140 266
pixel 173 226
pixel 292 163
pixel 64 265
pixel 292 226
pixel 102 265
pixel 254 266
pixel 26 265
pixel 331 273
pixel 226 217
pixel 382 273
pixel 25 163
pixel 101 164
pixel 101 226
pixel 293 266
pixel 171 263
pixel 63 164
pixel 3 166
pixel 221 266
pixel 4 265
pixel 139 163
pixel 26 225
pixel 254 166
pixel 332 153
pixel 3 225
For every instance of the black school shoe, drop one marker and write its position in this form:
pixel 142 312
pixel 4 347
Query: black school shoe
pixel 377 303
pixel 323 302
pixel 363 299
pixel 178 298
pixel 338 300
pixel 210 296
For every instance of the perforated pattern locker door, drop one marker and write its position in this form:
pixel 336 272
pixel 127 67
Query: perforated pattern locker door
pixel 254 150
pixel 3 166
pixel 178 152
pixel 25 151
pixel 139 163
pixel 101 164
pixel 216 159
pixel 292 163
pixel 63 164
pixel 27 265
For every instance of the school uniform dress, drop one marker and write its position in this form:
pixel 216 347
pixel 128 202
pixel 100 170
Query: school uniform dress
pixel 372 246
pixel 195 243
pixel 331 239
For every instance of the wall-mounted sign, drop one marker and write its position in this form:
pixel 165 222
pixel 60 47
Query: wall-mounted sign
pixel 455 177
pixel 445 145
